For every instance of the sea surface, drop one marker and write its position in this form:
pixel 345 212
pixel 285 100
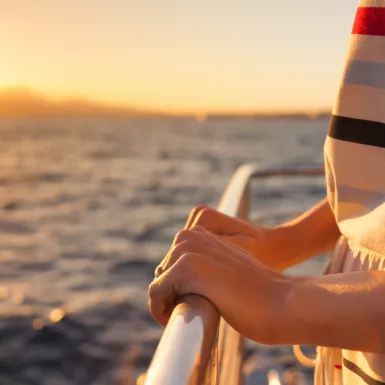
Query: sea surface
pixel 88 207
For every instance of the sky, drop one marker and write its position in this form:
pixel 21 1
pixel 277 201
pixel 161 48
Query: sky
pixel 179 55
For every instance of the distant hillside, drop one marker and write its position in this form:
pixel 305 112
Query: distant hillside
pixel 271 116
pixel 23 102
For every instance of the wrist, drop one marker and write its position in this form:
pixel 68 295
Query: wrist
pixel 277 324
pixel 304 313
pixel 280 246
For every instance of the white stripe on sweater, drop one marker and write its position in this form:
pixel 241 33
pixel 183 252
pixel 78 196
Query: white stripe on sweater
pixel 367 48
pixel 361 102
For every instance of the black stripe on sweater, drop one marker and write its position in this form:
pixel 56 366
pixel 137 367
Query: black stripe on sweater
pixel 357 131
pixel 360 373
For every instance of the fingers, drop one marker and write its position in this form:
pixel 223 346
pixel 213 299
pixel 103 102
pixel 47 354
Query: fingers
pixel 198 214
pixel 208 218
pixel 217 223
pixel 179 238
pixel 197 240
pixel 193 245
pixel 192 236
pixel 164 291
pixel 193 214
pixel 189 223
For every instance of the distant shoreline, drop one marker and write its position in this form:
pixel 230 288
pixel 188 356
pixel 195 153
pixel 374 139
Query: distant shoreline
pixel 278 116
pixel 209 118
pixel 23 103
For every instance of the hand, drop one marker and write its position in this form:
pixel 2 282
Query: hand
pixel 248 295
pixel 259 241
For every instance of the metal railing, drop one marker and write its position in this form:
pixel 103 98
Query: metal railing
pixel 197 346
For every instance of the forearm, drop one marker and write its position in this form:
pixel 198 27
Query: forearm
pixel 311 233
pixel 344 310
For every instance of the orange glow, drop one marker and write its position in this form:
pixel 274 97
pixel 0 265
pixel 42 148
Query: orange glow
pixel 6 78
pixel 56 315
pixel 38 324
pixel 24 102
pixel 21 101
pixel 176 57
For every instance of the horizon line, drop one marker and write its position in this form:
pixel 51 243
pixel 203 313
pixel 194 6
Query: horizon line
pixel 24 101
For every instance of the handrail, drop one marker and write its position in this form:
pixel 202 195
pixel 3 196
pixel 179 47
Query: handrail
pixel 192 350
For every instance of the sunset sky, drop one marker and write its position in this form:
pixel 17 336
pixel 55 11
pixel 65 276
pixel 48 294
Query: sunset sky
pixel 190 55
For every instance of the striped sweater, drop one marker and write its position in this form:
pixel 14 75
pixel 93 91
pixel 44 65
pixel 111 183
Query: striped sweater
pixel 355 171
pixel 355 146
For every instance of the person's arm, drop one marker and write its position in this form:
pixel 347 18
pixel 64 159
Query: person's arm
pixel 279 247
pixel 311 233
pixel 344 310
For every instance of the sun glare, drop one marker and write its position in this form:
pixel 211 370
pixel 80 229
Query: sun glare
pixel 5 81
pixel 7 78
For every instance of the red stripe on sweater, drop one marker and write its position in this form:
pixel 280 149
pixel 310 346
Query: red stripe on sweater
pixel 369 21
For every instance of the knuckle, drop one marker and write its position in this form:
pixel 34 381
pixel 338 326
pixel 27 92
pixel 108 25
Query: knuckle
pixel 182 235
pixel 179 249
pixel 188 261
pixel 151 291
pixel 189 265
pixel 198 228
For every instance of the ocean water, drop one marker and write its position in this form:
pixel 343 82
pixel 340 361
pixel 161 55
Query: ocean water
pixel 88 207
